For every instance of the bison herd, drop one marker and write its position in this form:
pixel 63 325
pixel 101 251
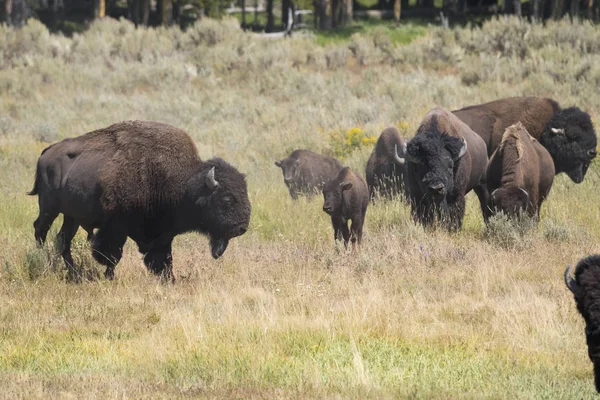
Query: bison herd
pixel 145 181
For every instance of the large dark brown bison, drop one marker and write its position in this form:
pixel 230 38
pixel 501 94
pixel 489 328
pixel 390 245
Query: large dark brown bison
pixel 567 134
pixel 137 179
pixel 346 198
pixel 386 164
pixel 444 161
pixel 585 286
pixel 306 172
pixel 520 173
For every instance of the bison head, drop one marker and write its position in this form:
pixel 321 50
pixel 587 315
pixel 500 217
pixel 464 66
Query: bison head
pixel 288 167
pixel 221 204
pixel 570 139
pixel 435 158
pixel 585 286
pixel 333 196
pixel 511 200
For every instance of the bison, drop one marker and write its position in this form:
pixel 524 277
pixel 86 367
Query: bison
pixel 138 179
pixel 346 197
pixel 444 161
pixel 519 174
pixel 585 286
pixel 306 172
pixel 567 134
pixel 385 165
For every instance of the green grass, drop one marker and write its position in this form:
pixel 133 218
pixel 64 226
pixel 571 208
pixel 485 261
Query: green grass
pixel 399 33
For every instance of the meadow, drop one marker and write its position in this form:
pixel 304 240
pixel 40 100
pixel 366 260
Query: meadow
pixel 287 313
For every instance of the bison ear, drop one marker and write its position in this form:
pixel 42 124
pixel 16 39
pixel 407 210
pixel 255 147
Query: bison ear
pixel 345 185
pixel 278 164
pixel 211 182
pixel 463 149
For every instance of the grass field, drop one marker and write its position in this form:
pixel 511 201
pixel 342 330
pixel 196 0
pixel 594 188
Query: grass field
pixel 286 313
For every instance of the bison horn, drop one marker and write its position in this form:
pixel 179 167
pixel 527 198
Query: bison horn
pixel 210 179
pixel 572 283
pixel 397 157
pixel 494 195
pixel 463 149
pixel 525 192
pixel 558 131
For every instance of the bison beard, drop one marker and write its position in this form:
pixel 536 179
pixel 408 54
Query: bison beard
pixel 218 246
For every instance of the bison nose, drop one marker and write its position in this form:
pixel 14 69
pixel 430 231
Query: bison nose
pixel 327 209
pixel 242 230
pixel 438 188
pixel 592 153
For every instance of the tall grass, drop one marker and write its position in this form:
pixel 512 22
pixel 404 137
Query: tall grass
pixel 286 313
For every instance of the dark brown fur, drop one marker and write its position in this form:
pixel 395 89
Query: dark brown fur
pixel 520 173
pixel 346 198
pixel 384 171
pixel 137 179
pixel 436 177
pixel 567 134
pixel 306 172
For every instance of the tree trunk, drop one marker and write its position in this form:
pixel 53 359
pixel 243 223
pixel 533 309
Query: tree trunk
pixel 166 12
pixel 517 7
pixel 535 12
pixel 574 8
pixel 590 9
pixel 144 12
pixel 18 11
pixel 345 15
pixel 325 14
pixel 99 8
pixel 8 8
pixel 285 4
pixel 557 8
pixel 397 10
pixel 270 17
pixel 244 14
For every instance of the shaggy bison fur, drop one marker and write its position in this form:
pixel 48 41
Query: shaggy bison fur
pixel 520 173
pixel 585 286
pixel 346 198
pixel 386 164
pixel 444 161
pixel 306 172
pixel 137 179
pixel 568 134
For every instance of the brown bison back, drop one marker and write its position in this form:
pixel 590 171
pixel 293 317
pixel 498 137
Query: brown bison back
pixel 150 167
pixel 490 120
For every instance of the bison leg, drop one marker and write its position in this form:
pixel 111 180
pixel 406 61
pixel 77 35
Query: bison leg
pixel 42 225
pixel 63 239
pixel 484 201
pixel 107 247
pixel 356 231
pixel 456 213
pixel 423 213
pixel 160 262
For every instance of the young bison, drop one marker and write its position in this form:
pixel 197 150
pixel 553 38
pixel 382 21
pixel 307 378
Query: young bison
pixel 568 134
pixel 386 164
pixel 444 161
pixel 306 172
pixel 519 174
pixel 346 198
pixel 585 287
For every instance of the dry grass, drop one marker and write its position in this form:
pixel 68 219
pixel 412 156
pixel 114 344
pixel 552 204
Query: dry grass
pixel 286 313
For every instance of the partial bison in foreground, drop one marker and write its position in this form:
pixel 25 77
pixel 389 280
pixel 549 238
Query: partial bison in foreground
pixel 568 134
pixel 346 198
pixel 444 161
pixel 137 179
pixel 520 173
pixel 386 164
pixel 585 286
pixel 306 172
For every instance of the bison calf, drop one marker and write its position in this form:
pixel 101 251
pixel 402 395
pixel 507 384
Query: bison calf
pixel 386 164
pixel 306 172
pixel 520 173
pixel 346 198
pixel 585 286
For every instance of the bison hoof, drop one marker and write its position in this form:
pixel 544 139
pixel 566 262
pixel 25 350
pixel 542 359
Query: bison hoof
pixel 109 274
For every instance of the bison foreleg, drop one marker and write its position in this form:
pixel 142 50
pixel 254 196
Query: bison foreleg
pixel 160 262
pixel 484 201
pixel 63 239
pixel 456 213
pixel 356 231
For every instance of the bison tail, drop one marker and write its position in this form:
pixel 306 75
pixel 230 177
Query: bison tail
pixel 34 191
